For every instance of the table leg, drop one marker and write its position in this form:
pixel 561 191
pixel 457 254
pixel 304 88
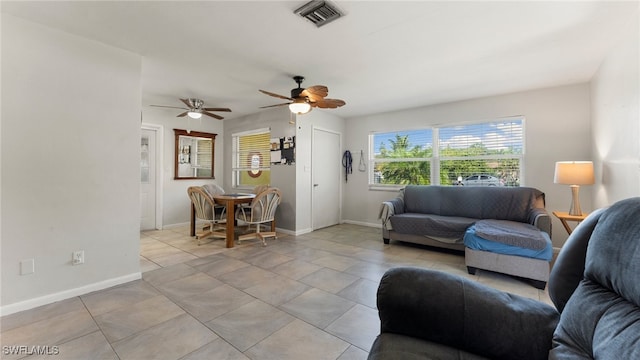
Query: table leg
pixel 230 222
pixel 566 226
pixel 192 225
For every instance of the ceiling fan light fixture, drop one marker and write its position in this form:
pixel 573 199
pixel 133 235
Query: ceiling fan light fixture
pixel 194 114
pixel 300 107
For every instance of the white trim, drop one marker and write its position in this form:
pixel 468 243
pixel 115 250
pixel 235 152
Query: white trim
pixel 159 129
pixel 362 223
pixel 67 294
pixel 296 232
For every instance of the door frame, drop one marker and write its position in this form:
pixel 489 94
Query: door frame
pixel 159 130
pixel 313 170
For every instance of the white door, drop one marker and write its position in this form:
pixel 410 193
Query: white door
pixel 148 180
pixel 326 170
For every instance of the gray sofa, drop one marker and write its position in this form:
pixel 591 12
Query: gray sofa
pixel 426 314
pixel 441 215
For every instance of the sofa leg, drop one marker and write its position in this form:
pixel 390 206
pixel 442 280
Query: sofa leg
pixel 386 241
pixel 471 270
pixel 538 284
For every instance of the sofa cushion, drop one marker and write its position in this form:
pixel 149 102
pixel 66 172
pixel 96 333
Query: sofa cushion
pixel 475 242
pixel 502 203
pixel 602 317
pixel 511 233
pixel 401 347
pixel 431 225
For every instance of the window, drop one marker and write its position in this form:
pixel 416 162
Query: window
pixel 251 158
pixel 483 154
pixel 203 160
pixel 401 158
pixel 486 154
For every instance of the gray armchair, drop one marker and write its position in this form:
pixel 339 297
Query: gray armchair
pixel 594 285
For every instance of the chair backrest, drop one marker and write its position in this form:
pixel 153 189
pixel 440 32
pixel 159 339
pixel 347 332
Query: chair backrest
pixel 202 202
pixel 213 189
pixel 265 204
pixel 260 188
pixel 601 318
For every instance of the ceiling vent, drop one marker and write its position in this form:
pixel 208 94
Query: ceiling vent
pixel 319 12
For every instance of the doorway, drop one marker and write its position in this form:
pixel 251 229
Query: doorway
pixel 150 177
pixel 326 168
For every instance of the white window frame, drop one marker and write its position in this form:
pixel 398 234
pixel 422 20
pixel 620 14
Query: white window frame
pixel 372 160
pixel 235 158
pixel 436 159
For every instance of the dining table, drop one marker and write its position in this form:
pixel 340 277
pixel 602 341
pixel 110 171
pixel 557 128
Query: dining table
pixel 230 201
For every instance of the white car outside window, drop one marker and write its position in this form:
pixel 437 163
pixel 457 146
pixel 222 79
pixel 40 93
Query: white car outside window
pixel 482 180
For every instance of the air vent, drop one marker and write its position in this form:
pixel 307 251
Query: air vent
pixel 319 12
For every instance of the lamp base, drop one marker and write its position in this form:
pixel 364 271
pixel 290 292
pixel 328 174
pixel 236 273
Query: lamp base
pixel 575 210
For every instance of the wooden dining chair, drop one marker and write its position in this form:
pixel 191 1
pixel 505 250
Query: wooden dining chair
pixel 262 210
pixel 205 210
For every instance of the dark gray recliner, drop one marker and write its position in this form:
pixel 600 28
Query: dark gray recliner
pixel 594 285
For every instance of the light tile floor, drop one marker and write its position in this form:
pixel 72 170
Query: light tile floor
pixel 300 297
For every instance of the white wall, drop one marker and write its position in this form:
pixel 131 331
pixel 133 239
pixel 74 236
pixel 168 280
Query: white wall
pixel 616 121
pixel 70 164
pixel 175 202
pixel 557 128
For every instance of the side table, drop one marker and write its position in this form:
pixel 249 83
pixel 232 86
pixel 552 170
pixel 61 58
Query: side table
pixel 564 217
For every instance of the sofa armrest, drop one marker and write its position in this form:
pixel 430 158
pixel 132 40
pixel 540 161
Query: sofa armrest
pixel 539 218
pixel 461 313
pixel 386 212
pixel 398 205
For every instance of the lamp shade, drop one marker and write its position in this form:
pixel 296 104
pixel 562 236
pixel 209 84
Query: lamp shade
pixel 574 173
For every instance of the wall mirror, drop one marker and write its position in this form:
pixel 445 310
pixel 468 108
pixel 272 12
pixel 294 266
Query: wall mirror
pixel 194 155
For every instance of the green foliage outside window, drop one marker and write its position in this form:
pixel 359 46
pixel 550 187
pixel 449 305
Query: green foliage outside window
pixel 493 149
pixel 403 172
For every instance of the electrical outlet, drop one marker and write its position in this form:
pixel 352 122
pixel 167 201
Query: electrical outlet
pixel 77 257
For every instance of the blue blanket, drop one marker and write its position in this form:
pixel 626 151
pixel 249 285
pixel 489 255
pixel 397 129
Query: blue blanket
pixel 473 241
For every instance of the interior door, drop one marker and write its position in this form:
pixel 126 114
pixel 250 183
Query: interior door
pixel 326 170
pixel 148 180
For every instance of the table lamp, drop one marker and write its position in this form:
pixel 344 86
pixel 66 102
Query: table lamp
pixel 574 173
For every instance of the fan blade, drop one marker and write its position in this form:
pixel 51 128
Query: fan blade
pixel 171 107
pixel 316 92
pixel 269 106
pixel 216 109
pixel 275 95
pixel 186 102
pixel 183 114
pixel 213 115
pixel 328 103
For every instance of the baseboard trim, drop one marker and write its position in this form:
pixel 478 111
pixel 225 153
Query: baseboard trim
pixel 66 294
pixel 362 223
pixel 296 232
pixel 173 226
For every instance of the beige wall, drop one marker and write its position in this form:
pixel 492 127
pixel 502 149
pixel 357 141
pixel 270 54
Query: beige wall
pixel 616 121
pixel 70 164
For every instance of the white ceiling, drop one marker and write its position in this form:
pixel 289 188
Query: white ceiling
pixel 381 56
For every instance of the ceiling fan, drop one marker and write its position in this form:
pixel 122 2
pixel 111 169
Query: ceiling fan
pixel 195 109
pixel 303 100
